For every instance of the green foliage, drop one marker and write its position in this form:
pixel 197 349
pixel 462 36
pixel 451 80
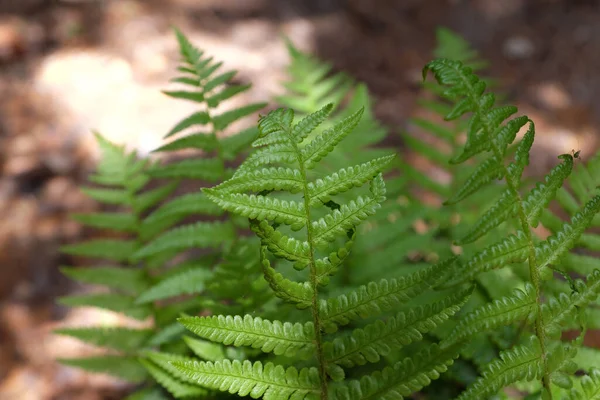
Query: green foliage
pixel 382 295
pixel 153 271
pixel 491 132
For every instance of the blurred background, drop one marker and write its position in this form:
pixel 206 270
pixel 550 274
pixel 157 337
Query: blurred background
pixel 68 67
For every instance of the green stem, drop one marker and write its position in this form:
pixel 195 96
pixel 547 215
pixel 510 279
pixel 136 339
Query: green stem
pixel 533 270
pixel 313 275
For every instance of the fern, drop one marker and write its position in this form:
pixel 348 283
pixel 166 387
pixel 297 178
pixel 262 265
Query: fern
pixel 153 278
pixel 491 132
pixel 272 210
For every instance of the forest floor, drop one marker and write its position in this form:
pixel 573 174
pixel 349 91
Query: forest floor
pixel 70 67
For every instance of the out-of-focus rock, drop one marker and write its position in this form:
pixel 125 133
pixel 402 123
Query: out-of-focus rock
pixel 518 47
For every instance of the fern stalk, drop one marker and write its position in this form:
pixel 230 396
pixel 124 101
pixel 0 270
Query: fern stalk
pixel 533 271
pixel 313 273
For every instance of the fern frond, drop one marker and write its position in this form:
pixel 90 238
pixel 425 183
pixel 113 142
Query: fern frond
pixel 485 173
pixel 271 382
pixel 266 179
pixel 206 169
pixel 200 234
pixel 280 338
pixel 152 197
pixel 519 363
pixel 338 222
pixel 504 208
pixel 261 207
pixel 503 312
pixel 552 249
pixel 322 189
pixel 174 211
pixel 539 198
pixel 375 297
pixel 401 380
pixel 204 349
pixel 127 368
pixel 300 294
pixel 179 389
pixel 327 266
pixel 324 143
pixel 559 310
pixel 199 141
pixel 113 302
pixel 283 246
pixel 590 387
pixel 127 280
pixel 187 282
pixel 117 338
pixel 121 222
pixel 513 249
pixel 380 338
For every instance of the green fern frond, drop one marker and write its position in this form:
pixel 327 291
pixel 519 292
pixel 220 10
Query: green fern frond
pixel 540 196
pixel 127 280
pixel 204 349
pixel 299 294
pixel 117 338
pixel 321 190
pixel 266 179
pixel 516 364
pixel 271 382
pixel 206 169
pixel 325 267
pixel 120 222
pixel 376 297
pixel 338 222
pixel 187 282
pixel 113 302
pixel 280 338
pixel 559 310
pixel 368 344
pixel 127 368
pixel 200 234
pixel 403 379
pixel 179 389
pixel 503 312
pixel 152 197
pixel 324 143
pixel 282 246
pixel 552 249
pixel 513 249
pixel 590 387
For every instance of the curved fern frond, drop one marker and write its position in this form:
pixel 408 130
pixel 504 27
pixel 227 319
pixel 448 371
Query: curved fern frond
pixel 260 207
pixel 559 310
pixel 200 234
pixel 271 382
pixel 543 193
pixel 552 249
pixel 127 368
pixel 187 282
pixel 280 338
pixel 179 389
pixel 405 378
pixel 516 364
pixel 380 338
pixel 300 294
pixel 590 387
pixel 503 312
pixel 376 297
pixel 117 338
